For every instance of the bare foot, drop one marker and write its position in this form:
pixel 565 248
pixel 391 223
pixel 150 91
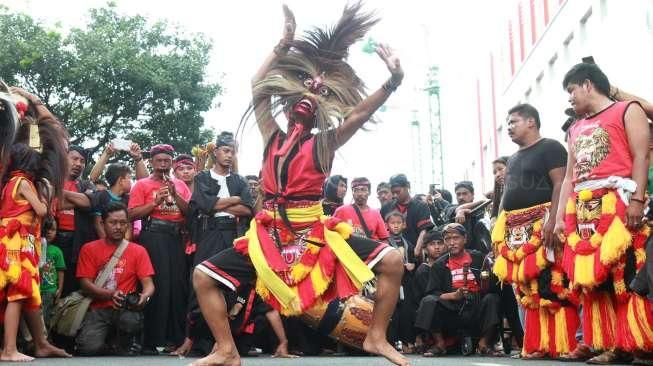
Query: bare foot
pixel 282 351
pixel 48 350
pixel 383 348
pixel 219 359
pixel 15 356
pixel 183 350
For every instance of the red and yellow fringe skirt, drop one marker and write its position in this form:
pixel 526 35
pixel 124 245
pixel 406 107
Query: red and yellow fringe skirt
pixel 550 326
pixel 327 268
pixel 611 319
pixel 20 250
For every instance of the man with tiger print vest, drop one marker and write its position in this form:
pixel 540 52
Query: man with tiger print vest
pixel 600 216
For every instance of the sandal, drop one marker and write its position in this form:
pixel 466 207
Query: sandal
pixel 605 358
pixel 408 349
pixel 537 355
pixel 419 349
pixel 489 352
pixel 435 351
pixel 580 354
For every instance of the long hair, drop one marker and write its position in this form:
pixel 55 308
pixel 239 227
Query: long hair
pixel 54 161
pixel 23 158
pixel 8 126
pixel 498 188
pixel 321 52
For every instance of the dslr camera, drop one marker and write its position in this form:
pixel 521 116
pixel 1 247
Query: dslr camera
pixel 131 300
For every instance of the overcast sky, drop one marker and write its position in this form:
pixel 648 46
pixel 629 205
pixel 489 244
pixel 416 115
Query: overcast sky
pixel 451 34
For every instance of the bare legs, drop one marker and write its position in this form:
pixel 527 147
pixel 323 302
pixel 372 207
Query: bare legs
pixel 389 273
pixel 277 326
pixel 12 318
pixel 36 328
pixel 211 300
pixel 214 310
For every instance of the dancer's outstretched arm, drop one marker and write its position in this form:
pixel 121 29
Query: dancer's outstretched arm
pixel 364 110
pixel 262 105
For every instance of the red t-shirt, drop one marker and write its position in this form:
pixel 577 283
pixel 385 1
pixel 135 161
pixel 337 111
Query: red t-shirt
pixel 145 189
pixel 371 216
pixel 66 218
pixel 455 265
pixel 134 264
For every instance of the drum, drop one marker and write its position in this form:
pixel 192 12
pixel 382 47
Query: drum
pixel 345 321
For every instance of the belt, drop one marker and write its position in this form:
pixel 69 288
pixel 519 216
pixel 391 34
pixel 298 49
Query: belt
pixel 219 223
pixel 162 226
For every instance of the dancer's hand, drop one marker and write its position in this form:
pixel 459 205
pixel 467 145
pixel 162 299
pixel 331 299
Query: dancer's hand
pixel 289 25
pixel 634 214
pixel 391 59
pixel 548 233
pixel 559 230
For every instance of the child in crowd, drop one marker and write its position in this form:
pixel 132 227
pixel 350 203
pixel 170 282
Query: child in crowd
pixel 21 212
pixel 52 271
pixel 401 326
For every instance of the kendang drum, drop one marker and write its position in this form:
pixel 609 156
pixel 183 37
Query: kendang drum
pixel 345 321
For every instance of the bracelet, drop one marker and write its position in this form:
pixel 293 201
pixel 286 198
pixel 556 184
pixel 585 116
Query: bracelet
pixel 138 160
pixel 391 85
pixel 36 102
pixel 281 48
pixel 638 200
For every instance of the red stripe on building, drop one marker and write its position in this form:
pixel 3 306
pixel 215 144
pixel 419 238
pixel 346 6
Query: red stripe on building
pixel 480 133
pixel 520 19
pixel 533 23
pixel 511 48
pixel 545 7
pixel 494 107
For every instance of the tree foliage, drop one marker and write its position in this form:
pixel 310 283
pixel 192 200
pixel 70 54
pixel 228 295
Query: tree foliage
pixel 119 76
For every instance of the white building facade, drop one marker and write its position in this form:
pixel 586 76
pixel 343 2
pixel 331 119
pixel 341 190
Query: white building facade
pixel 542 40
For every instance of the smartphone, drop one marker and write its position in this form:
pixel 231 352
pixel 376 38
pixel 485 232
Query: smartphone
pixel 432 188
pixel 121 144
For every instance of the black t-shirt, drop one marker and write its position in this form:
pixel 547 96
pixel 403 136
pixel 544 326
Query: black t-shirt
pixel 418 217
pixel 527 181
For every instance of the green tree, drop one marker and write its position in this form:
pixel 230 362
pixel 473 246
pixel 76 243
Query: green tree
pixel 119 76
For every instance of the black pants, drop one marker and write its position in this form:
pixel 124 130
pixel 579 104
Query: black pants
pixel 477 319
pixel 212 242
pixel 425 313
pixel 510 311
pixel 65 242
pixel 402 325
pixel 100 324
pixel 165 314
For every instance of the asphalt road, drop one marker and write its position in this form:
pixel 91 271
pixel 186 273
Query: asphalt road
pixel 304 361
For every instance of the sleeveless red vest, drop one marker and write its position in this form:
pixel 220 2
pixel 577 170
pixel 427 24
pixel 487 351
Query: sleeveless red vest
pixel 10 206
pixel 300 176
pixel 600 145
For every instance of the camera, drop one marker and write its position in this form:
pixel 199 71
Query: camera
pixel 131 300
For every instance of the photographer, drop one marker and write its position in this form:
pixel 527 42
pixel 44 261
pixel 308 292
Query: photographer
pixel 117 306
pixel 461 303
pixel 470 214
pixel 438 204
